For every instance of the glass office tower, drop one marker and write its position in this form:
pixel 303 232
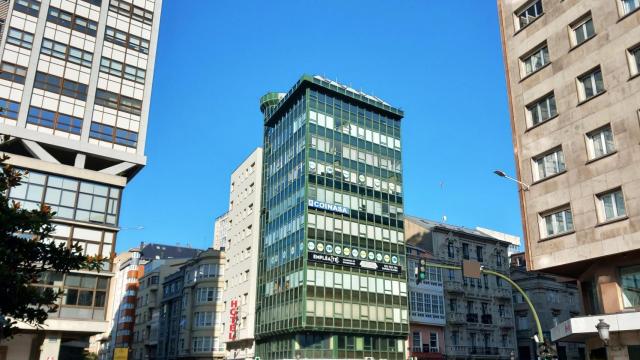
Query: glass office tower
pixel 331 279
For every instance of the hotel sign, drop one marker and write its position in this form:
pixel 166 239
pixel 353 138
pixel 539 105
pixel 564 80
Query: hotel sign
pixel 329 207
pixel 355 263
pixel 234 319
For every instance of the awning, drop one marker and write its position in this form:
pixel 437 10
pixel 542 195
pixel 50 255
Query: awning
pixel 584 327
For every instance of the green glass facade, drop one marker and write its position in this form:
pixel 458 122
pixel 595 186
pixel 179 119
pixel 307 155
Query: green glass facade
pixel 331 279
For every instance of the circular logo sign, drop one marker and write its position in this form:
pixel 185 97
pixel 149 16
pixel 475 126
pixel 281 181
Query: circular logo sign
pixel 329 248
pixel 387 258
pixel 346 251
pixel 311 246
pixel 394 259
pixel 338 250
pixel 363 254
pixel 371 255
pixel 320 247
pixel 354 252
pixel 379 257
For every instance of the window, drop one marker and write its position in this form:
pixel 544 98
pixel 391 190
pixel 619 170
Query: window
pixel 20 38
pixel 54 120
pixel 629 6
pixel 94 2
pixel 611 205
pixel 9 108
pixel 590 84
pixel 582 30
pixel 13 72
pixel 433 342
pixel 479 253
pixel 523 322
pixel 549 164
pixel 68 53
pixel 127 40
pixel 417 342
pixel 113 135
pixel 119 69
pixel 201 344
pixel 118 102
pixel 455 337
pixel 453 305
pixel 84 290
pixel 135 12
pixel 542 110
pixel 450 249
pixel 600 142
pixel 465 251
pixel 535 61
pixel 72 21
pixel 630 284
pixel 634 60
pixel 203 319
pixel 531 12
pixel 59 85
pixel 29 7
pixel 557 222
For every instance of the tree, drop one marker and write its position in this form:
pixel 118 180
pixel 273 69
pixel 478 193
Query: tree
pixel 26 255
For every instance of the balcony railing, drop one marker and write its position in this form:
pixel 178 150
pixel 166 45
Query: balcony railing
pixel 477 350
pixel 456 318
pixel 453 286
pixel 506 322
pixel 503 293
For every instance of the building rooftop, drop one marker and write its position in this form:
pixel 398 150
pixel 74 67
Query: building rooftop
pixel 161 251
pixel 321 82
pixel 478 232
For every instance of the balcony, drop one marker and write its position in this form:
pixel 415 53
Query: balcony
pixel 486 319
pixel 506 322
pixel 472 318
pixel 456 318
pixel 502 293
pixel 453 287
pixel 477 350
pixel 457 350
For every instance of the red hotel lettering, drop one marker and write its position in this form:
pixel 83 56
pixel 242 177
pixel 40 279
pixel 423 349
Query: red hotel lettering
pixel 234 319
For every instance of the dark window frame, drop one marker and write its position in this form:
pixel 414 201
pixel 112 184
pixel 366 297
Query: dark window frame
pixel 13 72
pixel 127 40
pixel 29 7
pixel 128 9
pixel 61 86
pixel 20 41
pixel 82 60
pixel 59 121
pixel 118 102
pixel 113 135
pixel 90 27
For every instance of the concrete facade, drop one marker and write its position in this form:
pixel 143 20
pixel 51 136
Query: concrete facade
pixel 479 312
pixel 221 231
pixel 555 301
pixel 573 90
pixel 75 89
pixel 241 256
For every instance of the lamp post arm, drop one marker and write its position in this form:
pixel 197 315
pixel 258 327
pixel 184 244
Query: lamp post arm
pixel 507 279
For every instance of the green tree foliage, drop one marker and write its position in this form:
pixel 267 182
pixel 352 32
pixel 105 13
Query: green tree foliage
pixel 26 255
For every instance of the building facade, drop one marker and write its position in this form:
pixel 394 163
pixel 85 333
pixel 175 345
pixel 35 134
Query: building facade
pixel 479 312
pixel 241 258
pixel 554 300
pixel 191 316
pixel 573 89
pixel 221 231
pixel 427 318
pixel 331 273
pixel 75 89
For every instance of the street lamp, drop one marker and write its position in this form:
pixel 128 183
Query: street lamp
pixel 504 175
pixel 603 331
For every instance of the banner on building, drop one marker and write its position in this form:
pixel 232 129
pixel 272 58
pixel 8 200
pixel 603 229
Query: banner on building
pixel 355 263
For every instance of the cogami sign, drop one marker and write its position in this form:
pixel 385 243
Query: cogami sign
pixel 329 207
pixel 234 319
pixel 356 263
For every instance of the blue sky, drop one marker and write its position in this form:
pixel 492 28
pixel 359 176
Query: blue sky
pixel 441 64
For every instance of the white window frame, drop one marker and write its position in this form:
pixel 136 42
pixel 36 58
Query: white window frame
pixel 531 5
pixel 416 347
pixel 551 214
pixel 589 76
pixel 611 194
pixel 634 60
pixel 558 157
pixel 598 135
pixel 536 107
pixel 542 52
pixel 625 12
pixel 580 25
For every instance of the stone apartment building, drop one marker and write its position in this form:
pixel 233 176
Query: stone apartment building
pixel 555 300
pixel 479 312
pixel 572 71
pixel 191 316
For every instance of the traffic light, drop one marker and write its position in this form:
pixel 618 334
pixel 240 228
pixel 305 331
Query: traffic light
pixel 421 271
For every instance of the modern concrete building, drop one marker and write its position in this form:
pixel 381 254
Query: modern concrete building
pixel 331 274
pixel 221 231
pixel 75 89
pixel 241 255
pixel 573 89
pixel 426 307
pixel 191 316
pixel 555 301
pixel 479 312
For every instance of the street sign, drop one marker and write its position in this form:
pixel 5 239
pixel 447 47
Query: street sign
pixel 471 269
pixel 121 354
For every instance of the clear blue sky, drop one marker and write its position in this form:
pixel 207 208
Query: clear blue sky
pixel 441 64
